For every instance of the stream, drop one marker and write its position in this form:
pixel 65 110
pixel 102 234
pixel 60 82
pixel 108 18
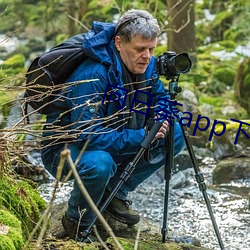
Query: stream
pixel 187 212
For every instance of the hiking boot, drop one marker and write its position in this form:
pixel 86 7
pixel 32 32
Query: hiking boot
pixel 121 211
pixel 75 231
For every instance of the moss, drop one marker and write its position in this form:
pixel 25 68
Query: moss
pixel 13 70
pixel 6 243
pixel 21 199
pixel 9 219
pixel 16 237
pixel 228 45
pixel 16 61
pixel 225 75
pixel 212 100
pixel 13 239
pixel 242 84
pixel 65 245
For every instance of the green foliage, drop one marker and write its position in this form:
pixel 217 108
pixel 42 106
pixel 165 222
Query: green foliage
pixel 219 104
pixel 242 84
pixel 224 75
pixel 13 66
pixel 16 61
pixel 214 101
pixel 5 97
pixel 216 67
pixel 221 23
pixel 160 49
pixel 229 23
pixel 60 38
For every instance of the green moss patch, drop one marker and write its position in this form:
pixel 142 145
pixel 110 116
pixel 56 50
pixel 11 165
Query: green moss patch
pixel 10 231
pixel 22 200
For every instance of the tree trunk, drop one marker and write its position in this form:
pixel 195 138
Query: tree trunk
pixel 83 8
pixel 71 6
pixel 181 27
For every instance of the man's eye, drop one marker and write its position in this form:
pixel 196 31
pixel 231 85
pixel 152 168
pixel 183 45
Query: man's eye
pixel 139 50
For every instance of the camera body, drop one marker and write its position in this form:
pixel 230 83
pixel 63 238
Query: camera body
pixel 171 65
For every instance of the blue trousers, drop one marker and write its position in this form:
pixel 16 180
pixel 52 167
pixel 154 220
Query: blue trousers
pixel 100 170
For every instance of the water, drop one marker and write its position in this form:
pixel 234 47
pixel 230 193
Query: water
pixel 187 212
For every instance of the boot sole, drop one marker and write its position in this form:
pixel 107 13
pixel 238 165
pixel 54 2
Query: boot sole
pixel 121 219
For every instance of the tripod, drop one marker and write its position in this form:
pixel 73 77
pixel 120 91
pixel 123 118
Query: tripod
pixel 173 90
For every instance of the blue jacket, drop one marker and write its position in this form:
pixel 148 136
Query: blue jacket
pixel 90 117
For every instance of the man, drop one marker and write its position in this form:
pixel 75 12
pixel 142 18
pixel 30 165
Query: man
pixel 108 115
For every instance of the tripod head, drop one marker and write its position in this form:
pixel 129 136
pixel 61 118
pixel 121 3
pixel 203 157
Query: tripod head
pixel 174 89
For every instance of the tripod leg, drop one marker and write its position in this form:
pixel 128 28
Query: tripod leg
pixel 202 186
pixel 169 145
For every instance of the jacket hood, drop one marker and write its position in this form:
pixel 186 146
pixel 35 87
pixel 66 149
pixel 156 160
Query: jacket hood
pixel 98 43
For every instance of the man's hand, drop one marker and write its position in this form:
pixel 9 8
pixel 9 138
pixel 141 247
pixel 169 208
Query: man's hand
pixel 163 130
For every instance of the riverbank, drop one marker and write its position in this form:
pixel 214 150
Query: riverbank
pixel 188 216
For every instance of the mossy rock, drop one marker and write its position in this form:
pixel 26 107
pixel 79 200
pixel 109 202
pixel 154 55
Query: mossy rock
pixel 231 169
pixel 220 103
pixel 128 244
pixel 242 84
pixel 21 199
pixel 11 237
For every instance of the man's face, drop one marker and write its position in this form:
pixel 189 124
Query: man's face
pixel 137 53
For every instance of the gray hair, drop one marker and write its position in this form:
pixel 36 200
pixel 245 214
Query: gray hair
pixel 137 22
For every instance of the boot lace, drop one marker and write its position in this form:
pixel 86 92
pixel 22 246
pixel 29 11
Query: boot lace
pixel 127 203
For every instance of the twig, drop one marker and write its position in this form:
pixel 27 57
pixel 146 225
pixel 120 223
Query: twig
pixel 45 217
pixel 77 21
pixel 99 238
pixel 66 154
pixel 137 236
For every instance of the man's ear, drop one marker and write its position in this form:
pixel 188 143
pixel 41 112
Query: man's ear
pixel 118 42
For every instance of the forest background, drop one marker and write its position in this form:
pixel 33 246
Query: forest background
pixel 214 33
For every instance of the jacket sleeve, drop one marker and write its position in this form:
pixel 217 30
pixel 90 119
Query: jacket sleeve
pixel 89 118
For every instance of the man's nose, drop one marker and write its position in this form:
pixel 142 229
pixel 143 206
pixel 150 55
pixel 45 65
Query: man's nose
pixel 146 54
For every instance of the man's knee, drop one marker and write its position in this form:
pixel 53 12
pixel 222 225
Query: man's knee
pixel 97 165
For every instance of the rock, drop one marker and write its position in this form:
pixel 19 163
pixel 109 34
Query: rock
pixel 149 238
pixel 181 179
pixel 231 169
pixel 228 145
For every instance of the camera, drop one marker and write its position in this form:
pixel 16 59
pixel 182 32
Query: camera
pixel 171 65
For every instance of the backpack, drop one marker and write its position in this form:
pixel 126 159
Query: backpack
pixel 47 74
